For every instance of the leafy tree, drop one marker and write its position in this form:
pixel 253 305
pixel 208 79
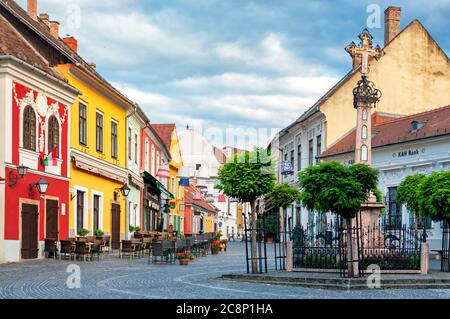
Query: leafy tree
pixel 284 195
pixel 408 193
pixel 434 196
pixel 334 187
pixel 248 176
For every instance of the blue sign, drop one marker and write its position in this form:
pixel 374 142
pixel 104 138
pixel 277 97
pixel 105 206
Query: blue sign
pixel 184 182
pixel 286 168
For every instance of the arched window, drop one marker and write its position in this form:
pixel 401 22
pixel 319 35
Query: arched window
pixel 53 134
pixel 364 132
pixel 364 153
pixel 29 129
pixel 364 114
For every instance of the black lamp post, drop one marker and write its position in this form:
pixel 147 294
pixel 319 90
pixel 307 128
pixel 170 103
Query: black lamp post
pixel 41 185
pixel 14 178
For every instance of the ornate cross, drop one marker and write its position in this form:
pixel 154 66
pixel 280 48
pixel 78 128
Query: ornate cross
pixel 365 50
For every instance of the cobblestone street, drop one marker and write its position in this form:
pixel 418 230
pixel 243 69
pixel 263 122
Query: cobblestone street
pixel 121 279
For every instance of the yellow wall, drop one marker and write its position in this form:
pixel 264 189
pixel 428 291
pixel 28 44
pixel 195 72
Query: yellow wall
pixel 80 178
pixel 413 76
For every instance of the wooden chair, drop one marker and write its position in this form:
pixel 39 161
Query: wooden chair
pixel 91 239
pixel 83 250
pixel 157 251
pixel 50 247
pixel 66 249
pixel 97 248
pixel 127 249
pixel 107 243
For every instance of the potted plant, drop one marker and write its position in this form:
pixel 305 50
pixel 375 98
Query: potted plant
pixel 82 232
pixel 137 228
pixel 184 258
pixel 215 247
pixel 131 228
pixel 98 233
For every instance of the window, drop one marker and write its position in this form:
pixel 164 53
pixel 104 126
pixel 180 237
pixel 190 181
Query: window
pixel 286 157
pixel 423 221
pixel 96 212
pixel 319 145
pixel 99 132
pixel 114 148
pixel 152 159
pixel 393 219
pixel 29 129
pixel 311 153
pixel 147 160
pixel 135 149
pixel 364 132
pixel 292 158
pixel 53 134
pixel 299 158
pixel 82 124
pixel 129 143
pixel 364 153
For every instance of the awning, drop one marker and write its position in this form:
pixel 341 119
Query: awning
pixel 149 179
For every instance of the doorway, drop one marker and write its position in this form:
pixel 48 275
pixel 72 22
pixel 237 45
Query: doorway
pixel 30 218
pixel 115 226
pixel 51 219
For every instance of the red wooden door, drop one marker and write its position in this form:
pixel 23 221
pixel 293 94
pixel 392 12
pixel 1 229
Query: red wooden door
pixel 51 219
pixel 115 226
pixel 29 249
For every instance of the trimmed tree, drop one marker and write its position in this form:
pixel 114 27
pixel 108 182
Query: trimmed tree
pixel 248 176
pixel 284 195
pixel 341 190
pixel 408 194
pixel 434 196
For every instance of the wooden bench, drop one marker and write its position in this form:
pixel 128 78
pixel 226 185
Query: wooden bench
pixel 439 253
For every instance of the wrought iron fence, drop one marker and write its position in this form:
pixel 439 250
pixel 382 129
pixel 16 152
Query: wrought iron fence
pixel 261 247
pixel 344 244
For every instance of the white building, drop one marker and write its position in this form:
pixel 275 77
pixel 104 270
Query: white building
pixel 402 146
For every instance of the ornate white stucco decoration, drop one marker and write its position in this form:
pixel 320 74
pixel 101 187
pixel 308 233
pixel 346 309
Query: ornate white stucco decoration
pixel 41 103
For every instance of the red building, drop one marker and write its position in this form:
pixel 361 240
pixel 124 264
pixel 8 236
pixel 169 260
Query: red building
pixel 34 149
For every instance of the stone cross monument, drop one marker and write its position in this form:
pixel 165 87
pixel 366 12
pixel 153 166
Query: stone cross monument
pixel 365 96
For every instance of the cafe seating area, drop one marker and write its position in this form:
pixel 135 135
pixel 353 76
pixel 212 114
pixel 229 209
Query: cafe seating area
pixel 156 246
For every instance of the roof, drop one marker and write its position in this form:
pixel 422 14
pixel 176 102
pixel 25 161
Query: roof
pixel 398 130
pixel 219 154
pixel 165 132
pixel 189 199
pixel 58 44
pixel 13 44
pixel 316 107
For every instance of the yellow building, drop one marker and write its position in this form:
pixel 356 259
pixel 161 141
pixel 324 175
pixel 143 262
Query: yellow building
pixel 168 134
pixel 98 154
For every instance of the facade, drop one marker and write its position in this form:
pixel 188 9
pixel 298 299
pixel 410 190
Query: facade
pixel 175 220
pixel 202 161
pixel 34 148
pixel 136 120
pixel 155 155
pixel 200 215
pixel 402 146
pixel 412 60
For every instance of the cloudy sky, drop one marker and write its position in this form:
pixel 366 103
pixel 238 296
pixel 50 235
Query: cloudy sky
pixel 227 63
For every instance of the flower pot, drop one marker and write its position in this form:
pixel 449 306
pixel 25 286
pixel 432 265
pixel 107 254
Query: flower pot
pixel 214 251
pixel 184 262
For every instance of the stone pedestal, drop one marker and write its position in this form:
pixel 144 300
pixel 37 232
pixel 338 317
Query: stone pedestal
pixel 290 256
pixel 424 258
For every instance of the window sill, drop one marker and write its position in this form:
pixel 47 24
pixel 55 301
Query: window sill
pixel 28 158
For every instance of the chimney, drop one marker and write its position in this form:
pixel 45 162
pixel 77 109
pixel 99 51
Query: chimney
pixel 392 17
pixel 32 8
pixel 54 29
pixel 93 65
pixel 72 43
pixel 45 19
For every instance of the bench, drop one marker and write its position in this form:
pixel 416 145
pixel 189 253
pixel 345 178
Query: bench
pixel 438 253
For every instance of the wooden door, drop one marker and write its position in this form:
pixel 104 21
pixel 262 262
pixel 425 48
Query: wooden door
pixel 29 249
pixel 115 226
pixel 51 219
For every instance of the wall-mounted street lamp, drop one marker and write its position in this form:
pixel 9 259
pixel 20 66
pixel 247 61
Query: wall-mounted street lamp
pixel 41 185
pixel 14 176
pixel 124 190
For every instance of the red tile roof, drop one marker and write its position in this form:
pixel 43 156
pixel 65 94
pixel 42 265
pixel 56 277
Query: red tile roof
pixel 220 156
pixel 189 199
pixel 165 132
pixel 13 44
pixel 435 123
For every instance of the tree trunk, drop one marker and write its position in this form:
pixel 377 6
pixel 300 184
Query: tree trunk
pixel 254 242
pixel 352 249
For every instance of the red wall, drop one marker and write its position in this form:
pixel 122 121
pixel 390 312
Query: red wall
pixel 187 219
pixel 58 188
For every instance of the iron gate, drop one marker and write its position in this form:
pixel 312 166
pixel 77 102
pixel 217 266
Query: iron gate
pixel 261 247
pixel 445 261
